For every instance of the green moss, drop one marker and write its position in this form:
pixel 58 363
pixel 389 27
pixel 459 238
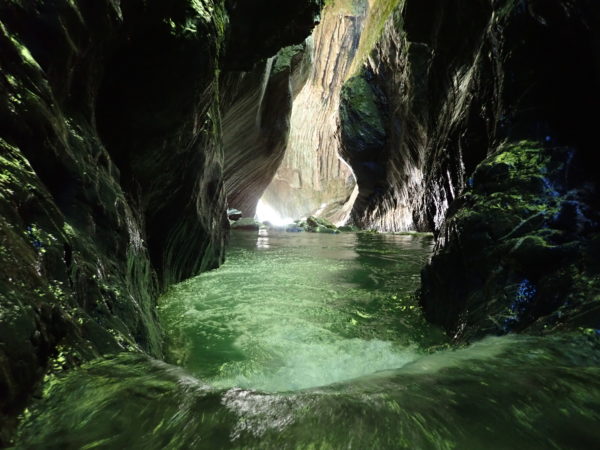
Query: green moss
pixel 379 13
pixel 16 175
pixel 510 250
pixel 524 156
pixel 285 58
pixel 511 186
pixel 358 98
pixel 23 51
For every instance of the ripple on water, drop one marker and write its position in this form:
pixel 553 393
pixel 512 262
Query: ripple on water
pixel 289 312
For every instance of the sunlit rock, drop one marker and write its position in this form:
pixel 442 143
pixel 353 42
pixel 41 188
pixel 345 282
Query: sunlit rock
pixel 312 178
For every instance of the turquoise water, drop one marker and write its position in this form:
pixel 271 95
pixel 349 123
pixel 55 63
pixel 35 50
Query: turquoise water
pixel 292 311
pixel 315 342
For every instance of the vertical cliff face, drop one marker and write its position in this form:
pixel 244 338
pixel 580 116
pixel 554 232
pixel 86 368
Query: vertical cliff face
pixel 415 97
pixel 312 178
pixel 256 117
pixel 112 168
pixel 449 84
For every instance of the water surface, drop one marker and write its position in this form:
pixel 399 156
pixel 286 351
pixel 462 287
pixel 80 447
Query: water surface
pixel 290 311
pixel 316 342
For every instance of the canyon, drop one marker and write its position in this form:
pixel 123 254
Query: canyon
pixel 127 130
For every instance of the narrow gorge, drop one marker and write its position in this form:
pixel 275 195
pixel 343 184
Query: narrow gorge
pixel 299 224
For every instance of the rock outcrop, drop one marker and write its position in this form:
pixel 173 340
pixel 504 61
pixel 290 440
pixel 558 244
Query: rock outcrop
pixel 519 249
pixel 449 84
pixel 256 119
pixel 312 179
pixel 112 167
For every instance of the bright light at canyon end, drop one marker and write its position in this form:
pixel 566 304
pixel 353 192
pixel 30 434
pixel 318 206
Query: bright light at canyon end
pixel 266 213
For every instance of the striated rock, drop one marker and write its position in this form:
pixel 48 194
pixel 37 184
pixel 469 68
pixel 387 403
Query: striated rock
pixel 256 111
pixel 402 110
pixel 89 142
pixel 446 83
pixel 256 96
pixel 312 179
pixel 112 180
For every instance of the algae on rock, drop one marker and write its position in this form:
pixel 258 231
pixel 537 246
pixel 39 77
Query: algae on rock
pixel 518 250
pixel 112 169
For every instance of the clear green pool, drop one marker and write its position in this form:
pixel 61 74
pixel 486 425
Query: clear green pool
pixel 315 342
pixel 293 311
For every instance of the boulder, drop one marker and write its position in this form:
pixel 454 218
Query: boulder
pixel 319 225
pixel 246 224
pixel 234 214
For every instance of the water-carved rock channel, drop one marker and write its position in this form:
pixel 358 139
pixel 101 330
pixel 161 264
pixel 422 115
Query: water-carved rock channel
pixel 432 162
pixel 315 341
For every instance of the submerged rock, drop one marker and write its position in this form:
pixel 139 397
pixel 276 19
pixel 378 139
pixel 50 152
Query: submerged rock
pixel 325 230
pixel 294 229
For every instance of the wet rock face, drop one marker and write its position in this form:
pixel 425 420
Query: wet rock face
pixel 256 109
pixel 158 106
pixel 450 84
pixel 519 248
pixel 111 182
pixel 312 179
pixel 451 80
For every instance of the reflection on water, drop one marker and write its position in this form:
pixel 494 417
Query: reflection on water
pixel 262 242
pixel 314 342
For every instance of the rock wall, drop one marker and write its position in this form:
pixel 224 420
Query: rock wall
pixel 312 179
pixel 450 84
pixel 519 248
pixel 256 120
pixel 414 98
pixel 112 167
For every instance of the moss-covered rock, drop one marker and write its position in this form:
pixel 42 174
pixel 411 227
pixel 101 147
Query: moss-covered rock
pixel 319 225
pixel 451 80
pixel 111 182
pixel 518 250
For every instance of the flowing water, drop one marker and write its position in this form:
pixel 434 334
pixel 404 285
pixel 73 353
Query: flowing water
pixel 292 311
pixel 312 341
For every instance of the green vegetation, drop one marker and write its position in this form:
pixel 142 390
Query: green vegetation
pixel 379 13
pixel 516 252
pixel 15 171
pixel 358 98
pixel 285 58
